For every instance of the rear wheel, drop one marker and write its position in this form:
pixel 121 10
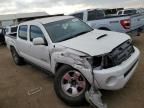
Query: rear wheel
pixel 17 59
pixel 70 85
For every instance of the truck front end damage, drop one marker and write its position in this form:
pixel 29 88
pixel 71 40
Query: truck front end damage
pixel 109 71
pixel 81 62
pixel 117 67
pixel 78 60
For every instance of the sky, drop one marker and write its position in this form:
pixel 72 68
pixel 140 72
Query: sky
pixel 62 6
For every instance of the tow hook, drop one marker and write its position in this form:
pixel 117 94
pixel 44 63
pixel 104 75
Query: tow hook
pixel 93 97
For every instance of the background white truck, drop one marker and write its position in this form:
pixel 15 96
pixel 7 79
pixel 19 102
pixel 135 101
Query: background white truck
pixel 11 29
pixel 131 11
pixel 96 18
pixel 79 56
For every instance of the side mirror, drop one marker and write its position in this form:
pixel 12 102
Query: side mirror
pixel 38 41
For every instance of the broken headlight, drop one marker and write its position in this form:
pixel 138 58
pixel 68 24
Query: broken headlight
pixel 95 61
pixel 100 62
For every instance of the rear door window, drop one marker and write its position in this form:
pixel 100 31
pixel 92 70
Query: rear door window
pixel 23 32
pixel 95 15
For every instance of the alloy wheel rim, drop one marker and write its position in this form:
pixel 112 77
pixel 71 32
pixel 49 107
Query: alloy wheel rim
pixel 73 83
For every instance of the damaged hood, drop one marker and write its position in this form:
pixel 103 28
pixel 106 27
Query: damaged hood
pixel 96 42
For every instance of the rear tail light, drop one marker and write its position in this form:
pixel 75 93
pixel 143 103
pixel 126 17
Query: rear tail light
pixel 126 23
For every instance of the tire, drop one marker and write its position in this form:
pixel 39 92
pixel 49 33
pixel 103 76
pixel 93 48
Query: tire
pixel 68 80
pixel 17 59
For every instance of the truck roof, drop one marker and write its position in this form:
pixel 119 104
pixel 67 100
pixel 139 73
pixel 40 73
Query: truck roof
pixel 48 20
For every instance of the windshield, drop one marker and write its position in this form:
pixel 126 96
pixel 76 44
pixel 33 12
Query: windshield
pixel 66 29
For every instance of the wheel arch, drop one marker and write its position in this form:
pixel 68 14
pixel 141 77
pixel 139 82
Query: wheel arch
pixel 59 65
pixel 11 46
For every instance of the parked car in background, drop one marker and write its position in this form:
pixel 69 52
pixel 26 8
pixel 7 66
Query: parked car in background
pixel 128 12
pixel 75 53
pixel 2 34
pixel 140 10
pixel 96 18
pixel 11 29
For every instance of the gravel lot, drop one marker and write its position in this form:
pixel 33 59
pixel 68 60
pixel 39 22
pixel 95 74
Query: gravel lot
pixel 16 81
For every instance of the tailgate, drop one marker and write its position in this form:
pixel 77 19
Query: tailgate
pixel 137 21
pixel 10 40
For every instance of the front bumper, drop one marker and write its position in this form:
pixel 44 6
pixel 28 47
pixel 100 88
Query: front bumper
pixel 116 77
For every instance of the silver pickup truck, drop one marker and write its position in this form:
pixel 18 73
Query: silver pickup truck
pixel 78 56
pixel 96 18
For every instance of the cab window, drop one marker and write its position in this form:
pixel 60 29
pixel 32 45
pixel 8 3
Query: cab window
pixel 95 15
pixel 23 32
pixel 35 32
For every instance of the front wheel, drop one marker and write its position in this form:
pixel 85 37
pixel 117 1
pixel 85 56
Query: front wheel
pixel 70 85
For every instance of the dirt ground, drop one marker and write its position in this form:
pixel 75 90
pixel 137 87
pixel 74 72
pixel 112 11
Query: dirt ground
pixel 15 82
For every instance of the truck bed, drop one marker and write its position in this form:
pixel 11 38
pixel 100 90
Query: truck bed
pixel 10 39
pixel 12 35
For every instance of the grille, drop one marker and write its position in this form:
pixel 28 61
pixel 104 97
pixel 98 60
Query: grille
pixel 118 55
